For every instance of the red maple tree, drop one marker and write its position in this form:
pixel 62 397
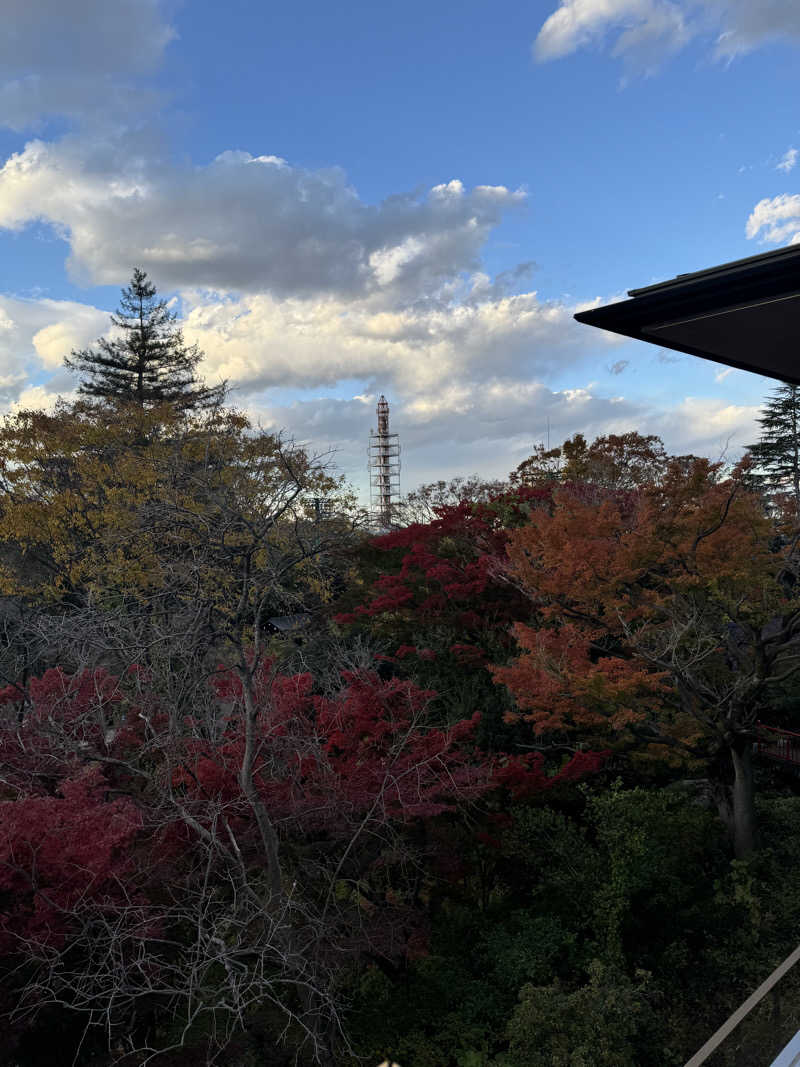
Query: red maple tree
pixel 284 829
pixel 441 601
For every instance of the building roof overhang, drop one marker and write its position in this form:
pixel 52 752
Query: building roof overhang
pixel 744 314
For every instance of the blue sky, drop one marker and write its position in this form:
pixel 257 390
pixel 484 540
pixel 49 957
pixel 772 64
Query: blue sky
pixel 354 199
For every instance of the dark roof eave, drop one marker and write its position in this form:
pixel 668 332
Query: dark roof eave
pixel 756 280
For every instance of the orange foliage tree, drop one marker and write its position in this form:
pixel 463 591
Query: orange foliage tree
pixel 616 461
pixel 665 616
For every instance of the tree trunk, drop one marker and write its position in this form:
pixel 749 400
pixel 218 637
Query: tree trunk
pixel 736 802
pixel 743 802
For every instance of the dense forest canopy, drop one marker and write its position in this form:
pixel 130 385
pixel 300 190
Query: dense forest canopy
pixel 494 803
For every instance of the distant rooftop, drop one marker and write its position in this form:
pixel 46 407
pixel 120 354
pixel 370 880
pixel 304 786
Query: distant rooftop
pixel 744 314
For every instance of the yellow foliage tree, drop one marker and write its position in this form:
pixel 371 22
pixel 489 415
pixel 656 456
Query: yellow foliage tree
pixel 114 504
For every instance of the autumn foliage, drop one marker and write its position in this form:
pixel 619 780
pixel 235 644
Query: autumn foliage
pixel 439 602
pixel 105 802
pixel 234 840
pixel 664 614
pixel 606 572
pixel 114 501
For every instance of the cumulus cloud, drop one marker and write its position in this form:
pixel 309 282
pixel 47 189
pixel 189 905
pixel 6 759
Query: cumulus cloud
pixel 788 161
pixel 649 30
pixel 76 59
pixel 707 426
pixel 466 379
pixel 243 222
pixel 259 341
pixel 35 335
pixel 490 427
pixel 423 351
pixel 40 398
pixel 287 279
pixel 775 220
pixel 76 326
pixel 457 408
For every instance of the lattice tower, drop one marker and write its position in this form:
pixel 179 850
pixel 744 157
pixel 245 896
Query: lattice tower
pixel 384 468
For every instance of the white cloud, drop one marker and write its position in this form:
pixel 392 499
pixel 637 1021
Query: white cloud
pixel 489 427
pixel 39 398
pixel 642 24
pixel 77 59
pixel 788 161
pixel 483 426
pixel 35 335
pixel 79 329
pixel 457 407
pixel 776 220
pixel 260 341
pixel 707 426
pixel 649 30
pixel 243 222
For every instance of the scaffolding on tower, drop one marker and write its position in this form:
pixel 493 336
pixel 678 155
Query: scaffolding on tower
pixel 384 469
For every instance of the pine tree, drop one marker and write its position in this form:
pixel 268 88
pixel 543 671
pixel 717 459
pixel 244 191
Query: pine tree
pixel 777 454
pixel 150 363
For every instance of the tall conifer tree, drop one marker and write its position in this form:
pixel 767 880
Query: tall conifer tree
pixel 777 454
pixel 150 363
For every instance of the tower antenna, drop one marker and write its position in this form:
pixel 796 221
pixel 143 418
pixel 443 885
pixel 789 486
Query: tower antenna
pixel 384 468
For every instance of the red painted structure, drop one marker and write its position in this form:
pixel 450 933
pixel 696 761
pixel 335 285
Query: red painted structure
pixel 778 744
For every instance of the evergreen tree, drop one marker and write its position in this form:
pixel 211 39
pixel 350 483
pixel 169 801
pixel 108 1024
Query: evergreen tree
pixel 777 454
pixel 150 363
